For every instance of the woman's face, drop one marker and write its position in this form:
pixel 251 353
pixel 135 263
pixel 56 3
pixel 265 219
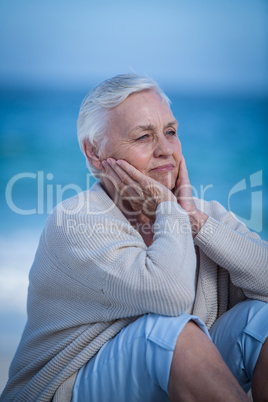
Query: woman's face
pixel 143 131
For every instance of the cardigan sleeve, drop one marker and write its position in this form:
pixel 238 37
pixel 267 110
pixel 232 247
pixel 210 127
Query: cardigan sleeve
pixel 108 255
pixel 229 243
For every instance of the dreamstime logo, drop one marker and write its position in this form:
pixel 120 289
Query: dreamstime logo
pixel 47 195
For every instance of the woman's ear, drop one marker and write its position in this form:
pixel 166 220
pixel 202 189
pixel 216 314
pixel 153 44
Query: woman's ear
pixel 91 154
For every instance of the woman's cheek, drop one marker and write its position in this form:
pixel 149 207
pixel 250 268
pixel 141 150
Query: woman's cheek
pixel 140 160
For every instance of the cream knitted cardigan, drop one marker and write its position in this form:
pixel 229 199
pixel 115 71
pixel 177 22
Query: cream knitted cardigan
pixel 93 275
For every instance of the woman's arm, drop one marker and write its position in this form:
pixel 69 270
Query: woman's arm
pixel 166 272
pixel 230 244
pixel 226 240
pixel 109 258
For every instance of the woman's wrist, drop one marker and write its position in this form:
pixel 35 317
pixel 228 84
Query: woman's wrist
pixel 168 196
pixel 197 220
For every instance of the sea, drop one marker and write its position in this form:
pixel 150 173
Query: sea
pixel 224 140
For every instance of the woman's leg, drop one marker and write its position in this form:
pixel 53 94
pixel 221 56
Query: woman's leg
pixel 198 372
pixel 135 365
pixel 259 383
pixel 240 336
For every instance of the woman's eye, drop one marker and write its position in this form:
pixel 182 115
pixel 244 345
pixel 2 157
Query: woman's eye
pixel 143 137
pixel 172 133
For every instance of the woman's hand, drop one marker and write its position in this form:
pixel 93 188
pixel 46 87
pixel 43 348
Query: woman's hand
pixel 183 193
pixel 143 193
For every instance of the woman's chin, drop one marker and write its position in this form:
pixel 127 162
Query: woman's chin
pixel 168 181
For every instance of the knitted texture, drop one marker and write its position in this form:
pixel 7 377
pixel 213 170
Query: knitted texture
pixel 93 275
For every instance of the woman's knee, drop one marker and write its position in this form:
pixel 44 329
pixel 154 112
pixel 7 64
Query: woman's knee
pixel 239 335
pixel 145 349
pixel 198 371
pixel 161 340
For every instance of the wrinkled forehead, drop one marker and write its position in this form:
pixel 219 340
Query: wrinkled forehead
pixel 144 107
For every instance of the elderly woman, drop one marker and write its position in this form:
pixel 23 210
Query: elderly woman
pixel 130 276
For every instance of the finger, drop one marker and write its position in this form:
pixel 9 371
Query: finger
pixel 183 173
pixel 134 173
pixel 150 187
pixel 122 174
pixel 183 186
pixel 125 183
pixel 111 175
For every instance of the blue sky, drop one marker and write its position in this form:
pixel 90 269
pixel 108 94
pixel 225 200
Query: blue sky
pixel 193 45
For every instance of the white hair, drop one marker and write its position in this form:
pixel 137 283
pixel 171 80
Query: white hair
pixel 93 114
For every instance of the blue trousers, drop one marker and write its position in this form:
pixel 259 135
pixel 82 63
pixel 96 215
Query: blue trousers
pixel 135 365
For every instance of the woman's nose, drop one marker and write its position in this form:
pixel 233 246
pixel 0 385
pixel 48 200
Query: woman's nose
pixel 163 147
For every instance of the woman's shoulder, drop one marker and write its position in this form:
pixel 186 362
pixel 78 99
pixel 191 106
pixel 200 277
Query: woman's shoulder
pixel 86 204
pixel 75 215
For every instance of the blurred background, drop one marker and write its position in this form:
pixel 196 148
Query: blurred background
pixel 210 57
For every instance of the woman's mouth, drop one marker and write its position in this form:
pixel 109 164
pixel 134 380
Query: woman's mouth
pixel 163 168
